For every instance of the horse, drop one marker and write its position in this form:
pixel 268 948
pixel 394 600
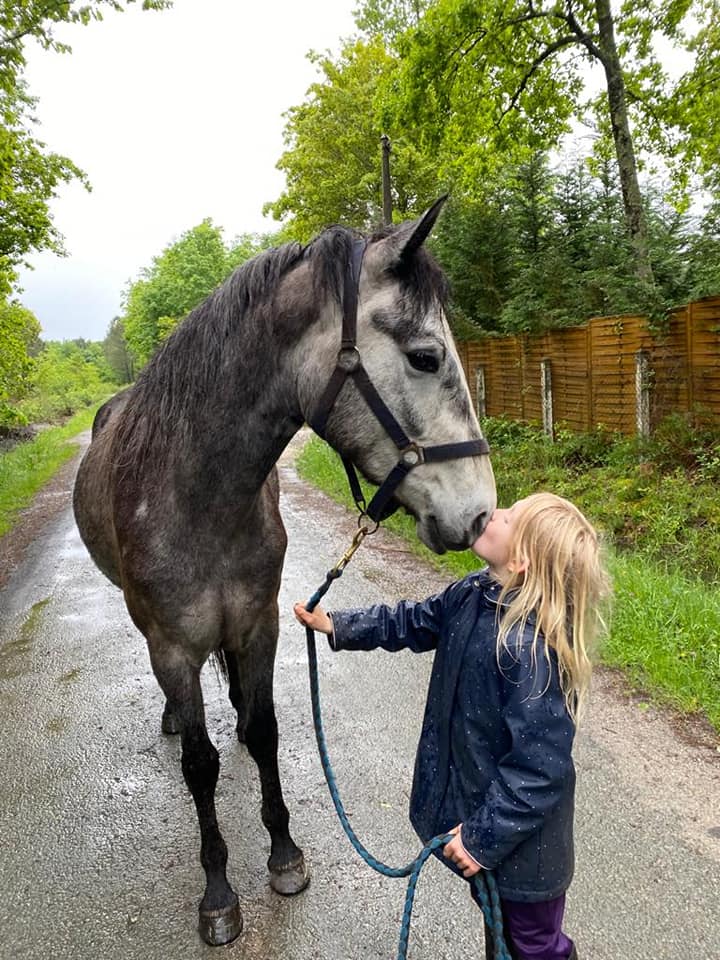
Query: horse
pixel 176 497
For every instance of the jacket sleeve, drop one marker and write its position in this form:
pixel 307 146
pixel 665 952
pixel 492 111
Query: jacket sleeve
pixel 537 769
pixel 412 626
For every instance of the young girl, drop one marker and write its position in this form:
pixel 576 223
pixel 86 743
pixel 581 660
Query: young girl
pixel 511 671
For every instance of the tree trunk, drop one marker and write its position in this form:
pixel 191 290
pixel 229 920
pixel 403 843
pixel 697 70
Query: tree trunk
pixel 634 213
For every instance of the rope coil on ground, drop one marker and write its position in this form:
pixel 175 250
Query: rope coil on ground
pixel 484 882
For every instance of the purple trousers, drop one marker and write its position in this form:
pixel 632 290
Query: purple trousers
pixel 533 931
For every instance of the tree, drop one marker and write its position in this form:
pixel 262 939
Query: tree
pixel 486 74
pixel 692 113
pixel 248 245
pixel 546 248
pixel 703 255
pixel 332 160
pixel 179 279
pixel 67 376
pixel 19 335
pixel 117 354
pixel 29 175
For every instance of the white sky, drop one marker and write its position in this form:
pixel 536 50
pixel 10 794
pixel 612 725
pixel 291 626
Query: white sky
pixel 175 116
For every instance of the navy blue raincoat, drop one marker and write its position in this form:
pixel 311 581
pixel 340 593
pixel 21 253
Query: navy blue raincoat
pixel 495 748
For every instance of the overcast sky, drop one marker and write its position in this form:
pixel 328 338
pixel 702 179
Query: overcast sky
pixel 175 116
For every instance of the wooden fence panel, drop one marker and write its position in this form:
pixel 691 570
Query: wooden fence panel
pixel 669 367
pixel 504 379
pixel 704 354
pixel 593 369
pixel 568 354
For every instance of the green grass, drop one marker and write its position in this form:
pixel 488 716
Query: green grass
pixel 665 636
pixel 28 466
pixel 665 626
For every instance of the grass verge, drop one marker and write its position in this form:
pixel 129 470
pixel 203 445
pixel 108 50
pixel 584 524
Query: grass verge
pixel 665 628
pixel 28 466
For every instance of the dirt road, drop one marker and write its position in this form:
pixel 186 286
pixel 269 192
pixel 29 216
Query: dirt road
pixel 99 837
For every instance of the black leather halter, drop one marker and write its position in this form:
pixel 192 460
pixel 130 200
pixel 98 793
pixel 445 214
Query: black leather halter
pixel 349 365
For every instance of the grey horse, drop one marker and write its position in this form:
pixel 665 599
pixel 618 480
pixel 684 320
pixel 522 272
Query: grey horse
pixel 176 498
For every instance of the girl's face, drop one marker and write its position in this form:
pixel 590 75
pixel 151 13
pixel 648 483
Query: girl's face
pixel 495 542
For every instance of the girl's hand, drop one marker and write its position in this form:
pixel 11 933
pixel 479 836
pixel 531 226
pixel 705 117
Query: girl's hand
pixel 317 620
pixel 455 851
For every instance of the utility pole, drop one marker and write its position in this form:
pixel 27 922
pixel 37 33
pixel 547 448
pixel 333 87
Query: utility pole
pixel 387 196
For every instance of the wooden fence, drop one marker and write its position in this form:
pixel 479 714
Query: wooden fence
pixel 610 371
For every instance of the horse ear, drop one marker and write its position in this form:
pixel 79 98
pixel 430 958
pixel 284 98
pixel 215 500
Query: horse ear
pixel 412 236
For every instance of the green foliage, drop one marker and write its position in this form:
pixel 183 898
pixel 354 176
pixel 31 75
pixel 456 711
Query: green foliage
pixel 29 177
pixel 545 249
pixel 28 466
pixel 389 19
pixel 657 500
pixel 179 279
pixel 19 334
pixel 473 97
pixel 689 117
pixel 332 161
pixel 704 255
pixel 117 355
pixel 67 376
pixel 484 81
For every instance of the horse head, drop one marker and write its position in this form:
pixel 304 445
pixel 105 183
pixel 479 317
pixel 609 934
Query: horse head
pixel 404 344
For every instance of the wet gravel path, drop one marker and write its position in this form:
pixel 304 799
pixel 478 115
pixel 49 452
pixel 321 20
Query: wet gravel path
pixel 99 838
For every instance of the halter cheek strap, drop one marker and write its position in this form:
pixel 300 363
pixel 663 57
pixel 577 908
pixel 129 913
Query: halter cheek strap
pixel 349 366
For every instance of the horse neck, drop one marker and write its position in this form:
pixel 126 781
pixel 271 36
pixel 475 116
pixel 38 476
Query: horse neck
pixel 248 411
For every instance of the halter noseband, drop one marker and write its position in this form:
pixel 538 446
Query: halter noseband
pixel 349 365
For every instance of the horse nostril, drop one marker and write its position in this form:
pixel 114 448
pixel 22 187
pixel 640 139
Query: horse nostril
pixel 479 524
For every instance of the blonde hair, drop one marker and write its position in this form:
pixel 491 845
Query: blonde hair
pixel 562 581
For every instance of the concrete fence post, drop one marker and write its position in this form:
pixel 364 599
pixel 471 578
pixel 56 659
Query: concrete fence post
pixel 642 393
pixel 547 399
pixel 480 392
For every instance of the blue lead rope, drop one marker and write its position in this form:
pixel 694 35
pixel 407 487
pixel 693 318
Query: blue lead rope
pixel 484 882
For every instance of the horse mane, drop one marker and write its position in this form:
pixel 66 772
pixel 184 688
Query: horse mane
pixel 241 319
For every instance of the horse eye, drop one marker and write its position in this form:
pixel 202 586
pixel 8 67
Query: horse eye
pixel 424 361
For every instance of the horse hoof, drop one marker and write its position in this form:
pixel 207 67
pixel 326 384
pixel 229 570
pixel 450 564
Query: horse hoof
pixel 218 927
pixel 291 879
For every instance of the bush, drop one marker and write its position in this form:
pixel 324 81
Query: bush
pixel 647 499
pixel 64 381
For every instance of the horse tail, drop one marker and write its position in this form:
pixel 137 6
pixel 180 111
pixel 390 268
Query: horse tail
pixel 219 662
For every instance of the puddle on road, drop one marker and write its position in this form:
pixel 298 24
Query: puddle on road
pixel 20 644
pixel 70 676
pixel 57 726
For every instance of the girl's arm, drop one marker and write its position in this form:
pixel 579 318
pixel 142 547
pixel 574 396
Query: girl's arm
pixel 408 625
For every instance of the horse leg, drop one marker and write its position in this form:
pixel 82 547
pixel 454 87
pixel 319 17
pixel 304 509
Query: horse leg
pixel 220 919
pixel 288 873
